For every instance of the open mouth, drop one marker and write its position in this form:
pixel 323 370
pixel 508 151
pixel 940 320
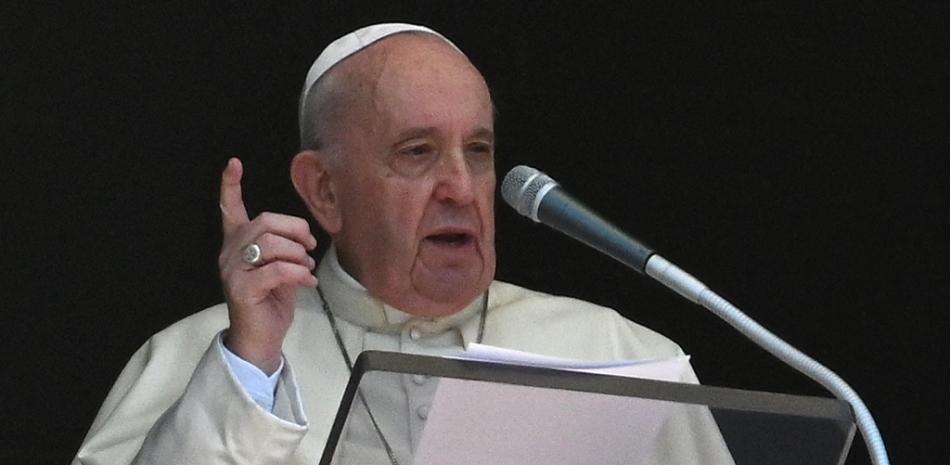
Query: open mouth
pixel 451 239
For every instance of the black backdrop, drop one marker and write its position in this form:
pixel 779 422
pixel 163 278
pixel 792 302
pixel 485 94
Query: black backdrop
pixel 793 157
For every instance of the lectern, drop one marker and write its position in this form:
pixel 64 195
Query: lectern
pixel 492 413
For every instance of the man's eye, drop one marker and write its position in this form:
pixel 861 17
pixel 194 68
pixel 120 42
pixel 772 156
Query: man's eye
pixel 416 150
pixel 479 149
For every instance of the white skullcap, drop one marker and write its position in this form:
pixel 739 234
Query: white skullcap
pixel 340 49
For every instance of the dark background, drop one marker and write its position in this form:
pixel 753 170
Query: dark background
pixel 790 154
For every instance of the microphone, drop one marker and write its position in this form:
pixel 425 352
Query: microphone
pixel 537 196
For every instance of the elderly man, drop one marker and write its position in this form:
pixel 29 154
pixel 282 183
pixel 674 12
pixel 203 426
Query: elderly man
pixel 398 167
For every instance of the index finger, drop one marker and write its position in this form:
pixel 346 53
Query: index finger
pixel 233 213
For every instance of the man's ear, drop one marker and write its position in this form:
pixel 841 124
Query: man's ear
pixel 316 186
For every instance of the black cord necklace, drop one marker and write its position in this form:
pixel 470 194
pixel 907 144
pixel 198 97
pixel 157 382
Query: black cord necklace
pixel 349 363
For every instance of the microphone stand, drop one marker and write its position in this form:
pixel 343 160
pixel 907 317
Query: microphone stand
pixel 692 289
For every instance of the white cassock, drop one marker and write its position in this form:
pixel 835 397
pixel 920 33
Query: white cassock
pixel 177 400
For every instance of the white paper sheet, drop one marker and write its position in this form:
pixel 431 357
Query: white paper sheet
pixel 477 422
pixel 670 369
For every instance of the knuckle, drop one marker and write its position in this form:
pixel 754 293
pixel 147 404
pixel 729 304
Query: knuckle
pixel 301 224
pixel 273 270
pixel 305 228
pixel 290 271
pixel 267 241
pixel 267 218
pixel 284 269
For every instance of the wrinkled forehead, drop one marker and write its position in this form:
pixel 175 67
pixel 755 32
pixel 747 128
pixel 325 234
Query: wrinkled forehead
pixel 350 45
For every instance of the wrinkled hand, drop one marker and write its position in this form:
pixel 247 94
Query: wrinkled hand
pixel 261 298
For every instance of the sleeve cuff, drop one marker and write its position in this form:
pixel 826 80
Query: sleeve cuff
pixel 257 384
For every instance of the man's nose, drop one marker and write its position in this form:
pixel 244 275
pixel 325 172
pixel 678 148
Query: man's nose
pixel 454 178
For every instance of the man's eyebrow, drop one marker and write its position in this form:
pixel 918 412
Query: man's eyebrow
pixel 416 132
pixel 483 133
pixel 419 132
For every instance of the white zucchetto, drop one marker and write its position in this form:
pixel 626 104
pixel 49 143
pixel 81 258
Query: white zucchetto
pixel 349 44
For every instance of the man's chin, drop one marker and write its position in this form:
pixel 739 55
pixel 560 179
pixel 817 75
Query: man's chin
pixel 449 290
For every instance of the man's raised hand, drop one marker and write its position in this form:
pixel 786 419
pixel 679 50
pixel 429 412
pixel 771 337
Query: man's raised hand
pixel 260 297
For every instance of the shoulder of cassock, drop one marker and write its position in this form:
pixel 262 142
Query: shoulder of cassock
pixel 161 368
pixel 560 326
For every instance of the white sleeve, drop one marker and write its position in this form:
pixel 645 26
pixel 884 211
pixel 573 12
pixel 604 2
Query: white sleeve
pixel 173 404
pixel 257 384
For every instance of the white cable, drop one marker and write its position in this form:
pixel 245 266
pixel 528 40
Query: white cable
pixel 686 285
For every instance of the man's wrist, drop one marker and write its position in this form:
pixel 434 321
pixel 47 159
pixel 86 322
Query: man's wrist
pixel 266 360
pixel 256 383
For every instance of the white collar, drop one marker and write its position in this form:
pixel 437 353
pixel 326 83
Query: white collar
pixel 350 301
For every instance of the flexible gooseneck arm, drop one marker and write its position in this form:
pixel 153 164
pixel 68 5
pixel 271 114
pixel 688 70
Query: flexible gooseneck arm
pixel 691 288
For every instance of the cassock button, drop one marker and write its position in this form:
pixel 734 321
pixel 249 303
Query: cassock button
pixel 419 379
pixel 423 412
pixel 415 334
